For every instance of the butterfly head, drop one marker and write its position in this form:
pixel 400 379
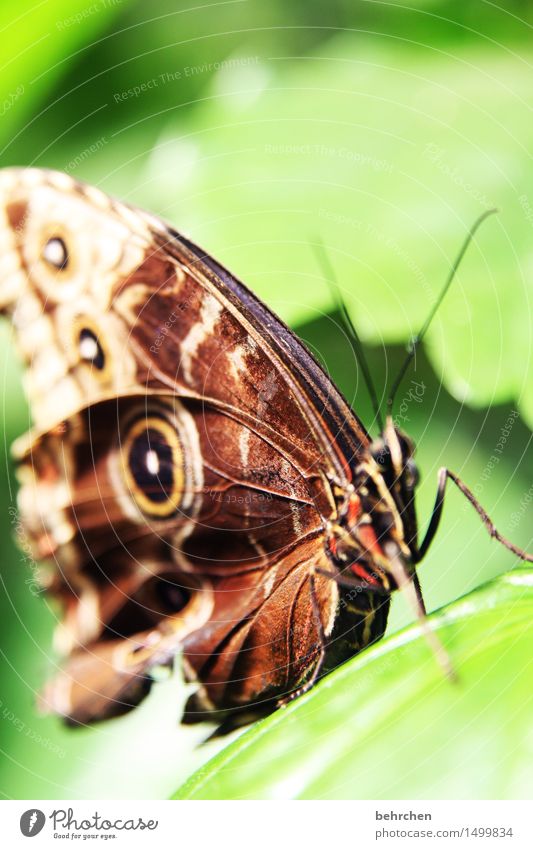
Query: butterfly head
pixel 393 452
pixel 393 456
pixel 375 535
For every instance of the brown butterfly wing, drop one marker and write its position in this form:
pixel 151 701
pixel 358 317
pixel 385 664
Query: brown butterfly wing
pixel 245 563
pixel 141 335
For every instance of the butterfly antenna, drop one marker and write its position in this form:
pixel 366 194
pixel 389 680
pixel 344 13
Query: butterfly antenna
pixel 416 340
pixel 353 336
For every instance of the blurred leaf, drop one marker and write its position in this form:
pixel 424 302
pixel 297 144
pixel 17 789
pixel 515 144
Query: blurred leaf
pixel 40 41
pixel 389 154
pixel 388 725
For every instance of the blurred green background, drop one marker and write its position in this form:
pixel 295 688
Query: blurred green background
pixel 255 127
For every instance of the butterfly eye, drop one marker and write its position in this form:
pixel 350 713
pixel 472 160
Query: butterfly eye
pixel 55 253
pixel 154 466
pixel 381 453
pixel 90 349
pixel 411 475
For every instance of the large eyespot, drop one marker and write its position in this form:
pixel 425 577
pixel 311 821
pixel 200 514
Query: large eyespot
pixel 55 253
pixel 167 604
pixel 160 596
pixel 157 462
pixel 154 466
pixel 172 595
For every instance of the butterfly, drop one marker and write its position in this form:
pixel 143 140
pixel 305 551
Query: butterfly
pixel 198 486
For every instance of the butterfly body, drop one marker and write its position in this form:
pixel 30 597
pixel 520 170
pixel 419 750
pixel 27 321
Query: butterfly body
pixel 195 480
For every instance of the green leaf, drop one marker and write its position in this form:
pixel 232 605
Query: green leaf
pixel 389 725
pixel 388 153
pixel 40 42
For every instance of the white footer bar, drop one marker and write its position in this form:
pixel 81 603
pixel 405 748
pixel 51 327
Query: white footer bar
pixel 267 825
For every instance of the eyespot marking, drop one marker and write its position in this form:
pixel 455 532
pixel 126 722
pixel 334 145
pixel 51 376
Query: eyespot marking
pixel 90 349
pixel 55 253
pixel 153 466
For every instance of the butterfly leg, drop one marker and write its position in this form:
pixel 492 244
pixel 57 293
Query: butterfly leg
pixel 436 514
pixel 354 583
